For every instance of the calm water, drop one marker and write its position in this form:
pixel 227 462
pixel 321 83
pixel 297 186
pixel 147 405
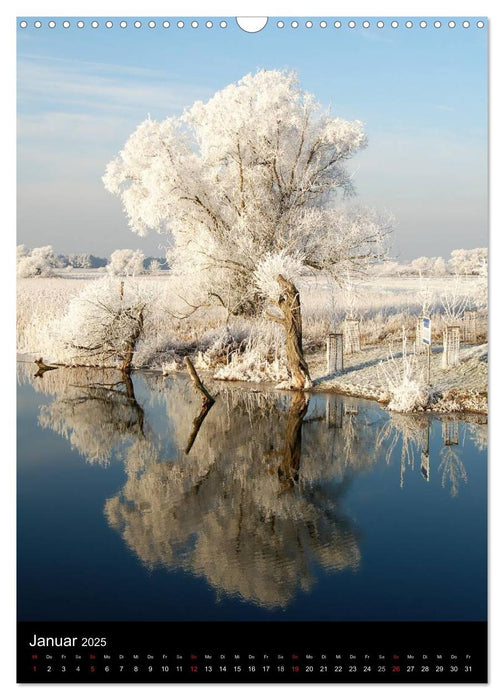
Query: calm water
pixel 134 505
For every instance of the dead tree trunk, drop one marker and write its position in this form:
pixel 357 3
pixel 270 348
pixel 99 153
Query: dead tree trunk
pixel 290 305
pixel 198 384
pixel 132 340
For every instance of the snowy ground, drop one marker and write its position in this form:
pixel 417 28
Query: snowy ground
pixel 387 307
pixel 461 388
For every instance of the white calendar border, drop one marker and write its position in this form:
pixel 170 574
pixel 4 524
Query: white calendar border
pixel 230 9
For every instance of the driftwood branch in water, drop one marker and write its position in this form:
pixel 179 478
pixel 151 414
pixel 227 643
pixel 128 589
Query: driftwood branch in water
pixel 197 423
pixel 208 402
pixel 42 367
pixel 197 382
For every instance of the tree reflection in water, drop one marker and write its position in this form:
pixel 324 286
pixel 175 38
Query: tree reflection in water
pixel 255 506
pixel 236 510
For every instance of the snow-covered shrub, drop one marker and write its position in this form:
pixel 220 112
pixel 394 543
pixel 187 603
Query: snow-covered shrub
pixel 405 383
pixel 349 296
pixel 154 266
pixel 216 347
pixel 258 358
pixel 104 323
pixel 455 299
pixel 38 262
pixel 126 263
pixel 426 299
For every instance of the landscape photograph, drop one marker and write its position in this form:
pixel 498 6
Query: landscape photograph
pixel 252 320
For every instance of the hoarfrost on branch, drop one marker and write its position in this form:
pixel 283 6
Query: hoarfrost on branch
pixel 249 176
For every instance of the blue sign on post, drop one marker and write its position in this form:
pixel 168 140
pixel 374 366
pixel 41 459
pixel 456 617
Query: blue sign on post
pixel 426 331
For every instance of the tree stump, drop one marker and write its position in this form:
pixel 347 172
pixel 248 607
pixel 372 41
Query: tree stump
pixel 290 305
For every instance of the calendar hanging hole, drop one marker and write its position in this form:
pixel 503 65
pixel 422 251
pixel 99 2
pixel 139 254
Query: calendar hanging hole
pixel 251 24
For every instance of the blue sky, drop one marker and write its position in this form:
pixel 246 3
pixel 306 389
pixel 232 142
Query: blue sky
pixel 422 94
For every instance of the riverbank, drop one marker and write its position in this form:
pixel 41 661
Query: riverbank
pixel 460 389
pixel 457 389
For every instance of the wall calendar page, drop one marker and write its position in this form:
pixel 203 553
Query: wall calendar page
pixel 252 306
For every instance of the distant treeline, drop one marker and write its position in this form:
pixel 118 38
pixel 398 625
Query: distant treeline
pixel 43 262
pixel 473 261
pixel 87 261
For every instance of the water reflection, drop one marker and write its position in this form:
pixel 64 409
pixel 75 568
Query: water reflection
pixel 96 418
pixel 253 500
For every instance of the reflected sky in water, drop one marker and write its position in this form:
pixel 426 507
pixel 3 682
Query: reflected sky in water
pixel 134 503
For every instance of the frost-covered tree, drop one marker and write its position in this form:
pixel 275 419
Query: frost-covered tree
pixel 80 260
pixel 439 267
pixel 126 263
pixel 38 262
pixel 104 323
pixel 467 262
pixel 249 175
pixel 421 265
pixel 21 252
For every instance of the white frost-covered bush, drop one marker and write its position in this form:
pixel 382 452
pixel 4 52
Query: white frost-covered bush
pixel 258 359
pixel 405 383
pixel 104 323
pixel 38 262
pixel 154 266
pixel 455 299
pixel 218 345
pixel 126 263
